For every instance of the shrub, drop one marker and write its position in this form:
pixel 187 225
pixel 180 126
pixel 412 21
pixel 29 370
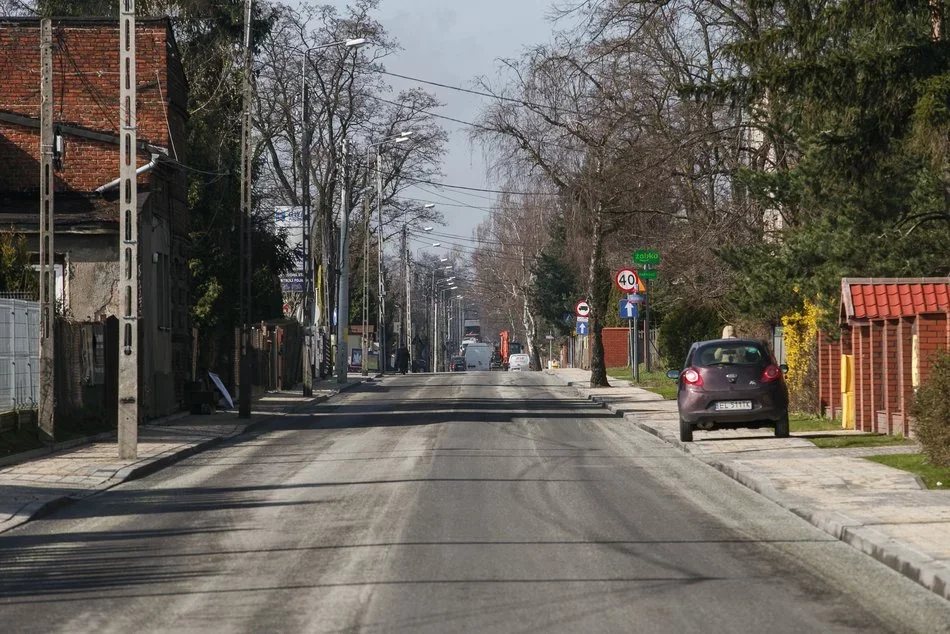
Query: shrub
pixel 801 352
pixel 682 325
pixel 931 411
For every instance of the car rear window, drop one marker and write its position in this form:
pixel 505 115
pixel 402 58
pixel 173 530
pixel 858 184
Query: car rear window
pixel 730 354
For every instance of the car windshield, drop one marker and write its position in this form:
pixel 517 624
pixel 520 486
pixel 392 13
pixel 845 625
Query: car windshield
pixel 729 354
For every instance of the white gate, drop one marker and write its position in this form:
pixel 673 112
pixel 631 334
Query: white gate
pixel 19 354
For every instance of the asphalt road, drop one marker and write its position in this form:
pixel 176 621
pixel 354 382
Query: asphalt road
pixel 469 502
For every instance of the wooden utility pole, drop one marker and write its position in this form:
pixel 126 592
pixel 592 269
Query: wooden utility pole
pixel 47 404
pixel 244 400
pixel 128 415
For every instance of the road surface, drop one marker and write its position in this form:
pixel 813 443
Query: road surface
pixel 484 502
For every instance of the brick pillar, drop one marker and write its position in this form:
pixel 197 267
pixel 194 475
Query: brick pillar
pixel 890 383
pixel 834 373
pixel 864 389
pixel 876 332
pixel 824 398
pixel 905 390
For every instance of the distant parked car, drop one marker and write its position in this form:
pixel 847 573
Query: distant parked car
pixel 519 362
pixel 420 365
pixel 457 364
pixel 729 384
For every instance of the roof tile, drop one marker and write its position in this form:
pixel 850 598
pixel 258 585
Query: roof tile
pixel 891 300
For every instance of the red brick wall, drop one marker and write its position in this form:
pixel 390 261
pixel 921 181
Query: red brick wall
pixel 615 348
pixel 932 337
pixel 86 95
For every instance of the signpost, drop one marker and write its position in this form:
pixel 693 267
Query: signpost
pixel 582 309
pixel 583 328
pixel 647 259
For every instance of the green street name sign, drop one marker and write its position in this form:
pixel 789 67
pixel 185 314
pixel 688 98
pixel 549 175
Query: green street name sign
pixel 649 274
pixel 646 256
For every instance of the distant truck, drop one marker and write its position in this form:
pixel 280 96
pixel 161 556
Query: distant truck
pixel 472 329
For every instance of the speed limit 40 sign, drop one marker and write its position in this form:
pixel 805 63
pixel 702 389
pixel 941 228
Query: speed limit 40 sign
pixel 628 281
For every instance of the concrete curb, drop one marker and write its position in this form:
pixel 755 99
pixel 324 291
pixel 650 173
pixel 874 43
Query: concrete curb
pixel 40 508
pixel 914 565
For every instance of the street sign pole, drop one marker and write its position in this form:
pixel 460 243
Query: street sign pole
pixel 636 352
pixel 646 325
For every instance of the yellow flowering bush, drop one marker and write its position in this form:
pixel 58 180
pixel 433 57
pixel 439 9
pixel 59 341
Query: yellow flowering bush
pixel 801 352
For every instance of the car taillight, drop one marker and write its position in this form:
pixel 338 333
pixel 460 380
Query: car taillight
pixel 692 377
pixel 772 373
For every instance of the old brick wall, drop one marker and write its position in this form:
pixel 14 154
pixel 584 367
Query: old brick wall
pixel 85 89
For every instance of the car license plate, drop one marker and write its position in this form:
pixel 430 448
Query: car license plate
pixel 733 405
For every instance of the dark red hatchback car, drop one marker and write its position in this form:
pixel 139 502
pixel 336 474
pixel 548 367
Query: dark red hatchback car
pixel 728 384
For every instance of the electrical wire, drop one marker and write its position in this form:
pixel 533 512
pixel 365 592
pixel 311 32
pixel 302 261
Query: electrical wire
pixel 520 102
pixel 478 189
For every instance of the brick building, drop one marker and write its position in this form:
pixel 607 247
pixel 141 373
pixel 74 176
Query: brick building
pixel 890 328
pixel 86 119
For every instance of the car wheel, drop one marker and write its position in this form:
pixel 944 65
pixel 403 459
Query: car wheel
pixel 686 431
pixel 781 427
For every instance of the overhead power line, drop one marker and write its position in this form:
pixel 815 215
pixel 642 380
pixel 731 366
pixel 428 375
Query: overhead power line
pixel 479 189
pixel 480 93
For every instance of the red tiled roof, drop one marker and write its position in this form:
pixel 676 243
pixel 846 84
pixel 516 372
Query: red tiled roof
pixel 893 298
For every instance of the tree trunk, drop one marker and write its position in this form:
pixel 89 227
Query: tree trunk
pixel 598 293
pixel 531 333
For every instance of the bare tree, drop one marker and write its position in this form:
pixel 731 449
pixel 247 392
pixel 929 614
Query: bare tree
pixel 349 101
pixel 505 258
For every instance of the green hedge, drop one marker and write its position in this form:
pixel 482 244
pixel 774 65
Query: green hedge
pixel 931 411
pixel 682 326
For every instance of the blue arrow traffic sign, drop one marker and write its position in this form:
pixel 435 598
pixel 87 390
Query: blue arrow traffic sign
pixel 628 309
pixel 583 328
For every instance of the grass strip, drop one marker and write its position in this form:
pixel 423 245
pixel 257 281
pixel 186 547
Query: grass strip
pixel 860 440
pixel 934 477
pixel 655 382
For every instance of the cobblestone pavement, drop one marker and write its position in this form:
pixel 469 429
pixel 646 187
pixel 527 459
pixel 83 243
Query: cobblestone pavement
pixel 42 482
pixel 885 512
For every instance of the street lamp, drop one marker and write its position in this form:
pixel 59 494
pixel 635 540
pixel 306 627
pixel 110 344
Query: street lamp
pixel 381 313
pixel 308 300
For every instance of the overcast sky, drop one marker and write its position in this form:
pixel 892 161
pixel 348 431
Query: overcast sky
pixel 452 42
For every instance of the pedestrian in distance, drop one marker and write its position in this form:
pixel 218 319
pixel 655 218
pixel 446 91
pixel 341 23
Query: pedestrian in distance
pixel 402 359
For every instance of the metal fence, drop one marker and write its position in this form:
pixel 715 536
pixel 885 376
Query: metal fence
pixel 19 354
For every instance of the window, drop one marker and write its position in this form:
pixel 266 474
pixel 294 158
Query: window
pixel 739 353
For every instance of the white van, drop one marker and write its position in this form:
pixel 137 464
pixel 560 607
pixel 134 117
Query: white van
pixel 478 356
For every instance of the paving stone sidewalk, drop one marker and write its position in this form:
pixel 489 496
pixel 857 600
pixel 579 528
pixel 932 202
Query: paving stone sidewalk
pixel 884 512
pixel 41 484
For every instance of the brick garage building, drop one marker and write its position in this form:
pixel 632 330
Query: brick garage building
pixel 86 118
pixel 890 329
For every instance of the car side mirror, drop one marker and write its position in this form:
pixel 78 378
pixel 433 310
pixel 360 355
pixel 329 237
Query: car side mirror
pixel 783 368
pixel 672 374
